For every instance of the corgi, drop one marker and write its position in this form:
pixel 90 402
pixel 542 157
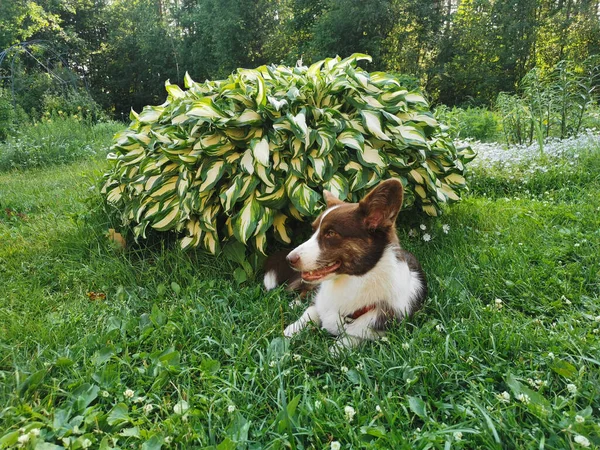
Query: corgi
pixel 363 278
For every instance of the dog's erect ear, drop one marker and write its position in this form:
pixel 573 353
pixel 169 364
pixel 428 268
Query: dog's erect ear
pixel 381 206
pixel 330 199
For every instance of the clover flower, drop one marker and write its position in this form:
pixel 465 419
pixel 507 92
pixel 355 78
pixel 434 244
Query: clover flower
pixel 427 237
pixel 128 393
pixel 582 440
pixel 446 228
pixel 335 445
pixel 350 412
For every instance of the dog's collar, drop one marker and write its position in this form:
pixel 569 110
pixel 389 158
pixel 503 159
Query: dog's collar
pixel 359 312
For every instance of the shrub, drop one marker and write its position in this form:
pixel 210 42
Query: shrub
pixel 474 122
pixel 7 114
pixel 76 104
pixel 240 157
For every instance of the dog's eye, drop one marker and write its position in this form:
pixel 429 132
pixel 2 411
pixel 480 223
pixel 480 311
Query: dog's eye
pixel 330 234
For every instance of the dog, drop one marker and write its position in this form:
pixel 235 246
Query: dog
pixel 363 278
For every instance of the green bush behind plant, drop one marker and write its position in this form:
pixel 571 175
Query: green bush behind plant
pixel 239 157
pixel 473 122
pixel 56 140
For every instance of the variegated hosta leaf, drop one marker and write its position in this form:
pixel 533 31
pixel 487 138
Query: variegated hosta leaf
pixel 245 157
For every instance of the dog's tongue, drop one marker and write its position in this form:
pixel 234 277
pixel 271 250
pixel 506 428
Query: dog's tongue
pixel 317 274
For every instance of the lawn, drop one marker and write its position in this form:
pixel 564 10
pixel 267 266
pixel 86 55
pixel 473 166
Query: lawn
pixel 151 346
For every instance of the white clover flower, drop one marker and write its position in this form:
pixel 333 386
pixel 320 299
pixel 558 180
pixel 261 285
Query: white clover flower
pixel 422 227
pixel 181 407
pixel 168 440
pixel 458 435
pixel 272 363
pixel 359 366
pixel 572 388
pixel 412 233
pixel 446 228
pixel 385 339
pixel 297 357
pixel 344 369
pixel 231 408
pixel 128 393
pixel 427 237
pixel 550 355
pixel 579 419
pixel 499 303
pixel 582 440
pixel 148 408
pixel 86 443
pixel 335 445
pixel 523 398
pixel 23 439
pixel 405 345
pixel 439 327
pixel 318 404
pixel 350 412
pixel 105 394
pixel 378 408
pixel 597 318
pixel 504 397
pixel 139 399
pixel 34 432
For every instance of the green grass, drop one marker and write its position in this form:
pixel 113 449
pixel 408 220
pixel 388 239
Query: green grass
pixel 174 327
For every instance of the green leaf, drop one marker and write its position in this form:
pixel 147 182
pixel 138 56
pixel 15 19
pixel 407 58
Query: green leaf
pixel 417 406
pixel 372 122
pixel 118 415
pixel 244 223
pixel 304 199
pixel 564 368
pixel 260 151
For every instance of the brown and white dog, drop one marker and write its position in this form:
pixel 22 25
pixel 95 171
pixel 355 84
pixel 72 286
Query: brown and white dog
pixel 365 279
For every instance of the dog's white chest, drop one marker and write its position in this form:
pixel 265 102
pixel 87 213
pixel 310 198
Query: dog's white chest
pixel 389 283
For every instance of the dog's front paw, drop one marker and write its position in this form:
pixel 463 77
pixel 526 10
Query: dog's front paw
pixel 292 330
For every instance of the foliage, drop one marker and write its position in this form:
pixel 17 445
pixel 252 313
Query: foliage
pixel 7 114
pixel 55 140
pixel 551 104
pixel 253 152
pixel 76 104
pixel 502 355
pixel 471 123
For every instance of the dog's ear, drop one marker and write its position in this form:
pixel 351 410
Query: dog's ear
pixel 382 205
pixel 330 199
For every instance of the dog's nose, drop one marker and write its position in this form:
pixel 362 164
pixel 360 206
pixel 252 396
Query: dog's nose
pixel 293 259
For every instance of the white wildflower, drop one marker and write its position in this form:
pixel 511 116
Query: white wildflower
pixel 34 432
pixel 385 339
pixel 499 304
pixel 458 435
pixel 427 237
pixel 344 369
pixel 550 355
pixel 295 303
pixel 86 443
pixel 350 412
pixel 168 440
pixel 318 404
pixel 422 227
pixel 272 364
pixel 335 445
pixel 23 439
pixel 597 318
pixel 572 388
pixel 579 419
pixel 148 408
pixel 128 393
pixel 296 357
pixel 504 397
pixel 359 366
pixel 523 398
pixel 412 233
pixel 105 394
pixel 582 440
pixel 446 228
pixel 439 327
pixel 181 407
pixel 378 408
pixel 139 399
pixel 405 345
pixel 231 408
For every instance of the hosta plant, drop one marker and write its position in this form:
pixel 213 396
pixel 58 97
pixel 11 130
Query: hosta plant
pixel 244 157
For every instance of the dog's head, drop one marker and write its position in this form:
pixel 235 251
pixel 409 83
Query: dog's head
pixel 349 238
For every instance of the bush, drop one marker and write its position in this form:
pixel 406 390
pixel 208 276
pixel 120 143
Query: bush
pixel 244 156
pixel 474 122
pixel 7 114
pixel 76 104
pixel 55 141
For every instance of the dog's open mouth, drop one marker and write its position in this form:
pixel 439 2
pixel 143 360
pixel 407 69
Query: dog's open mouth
pixel 317 274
